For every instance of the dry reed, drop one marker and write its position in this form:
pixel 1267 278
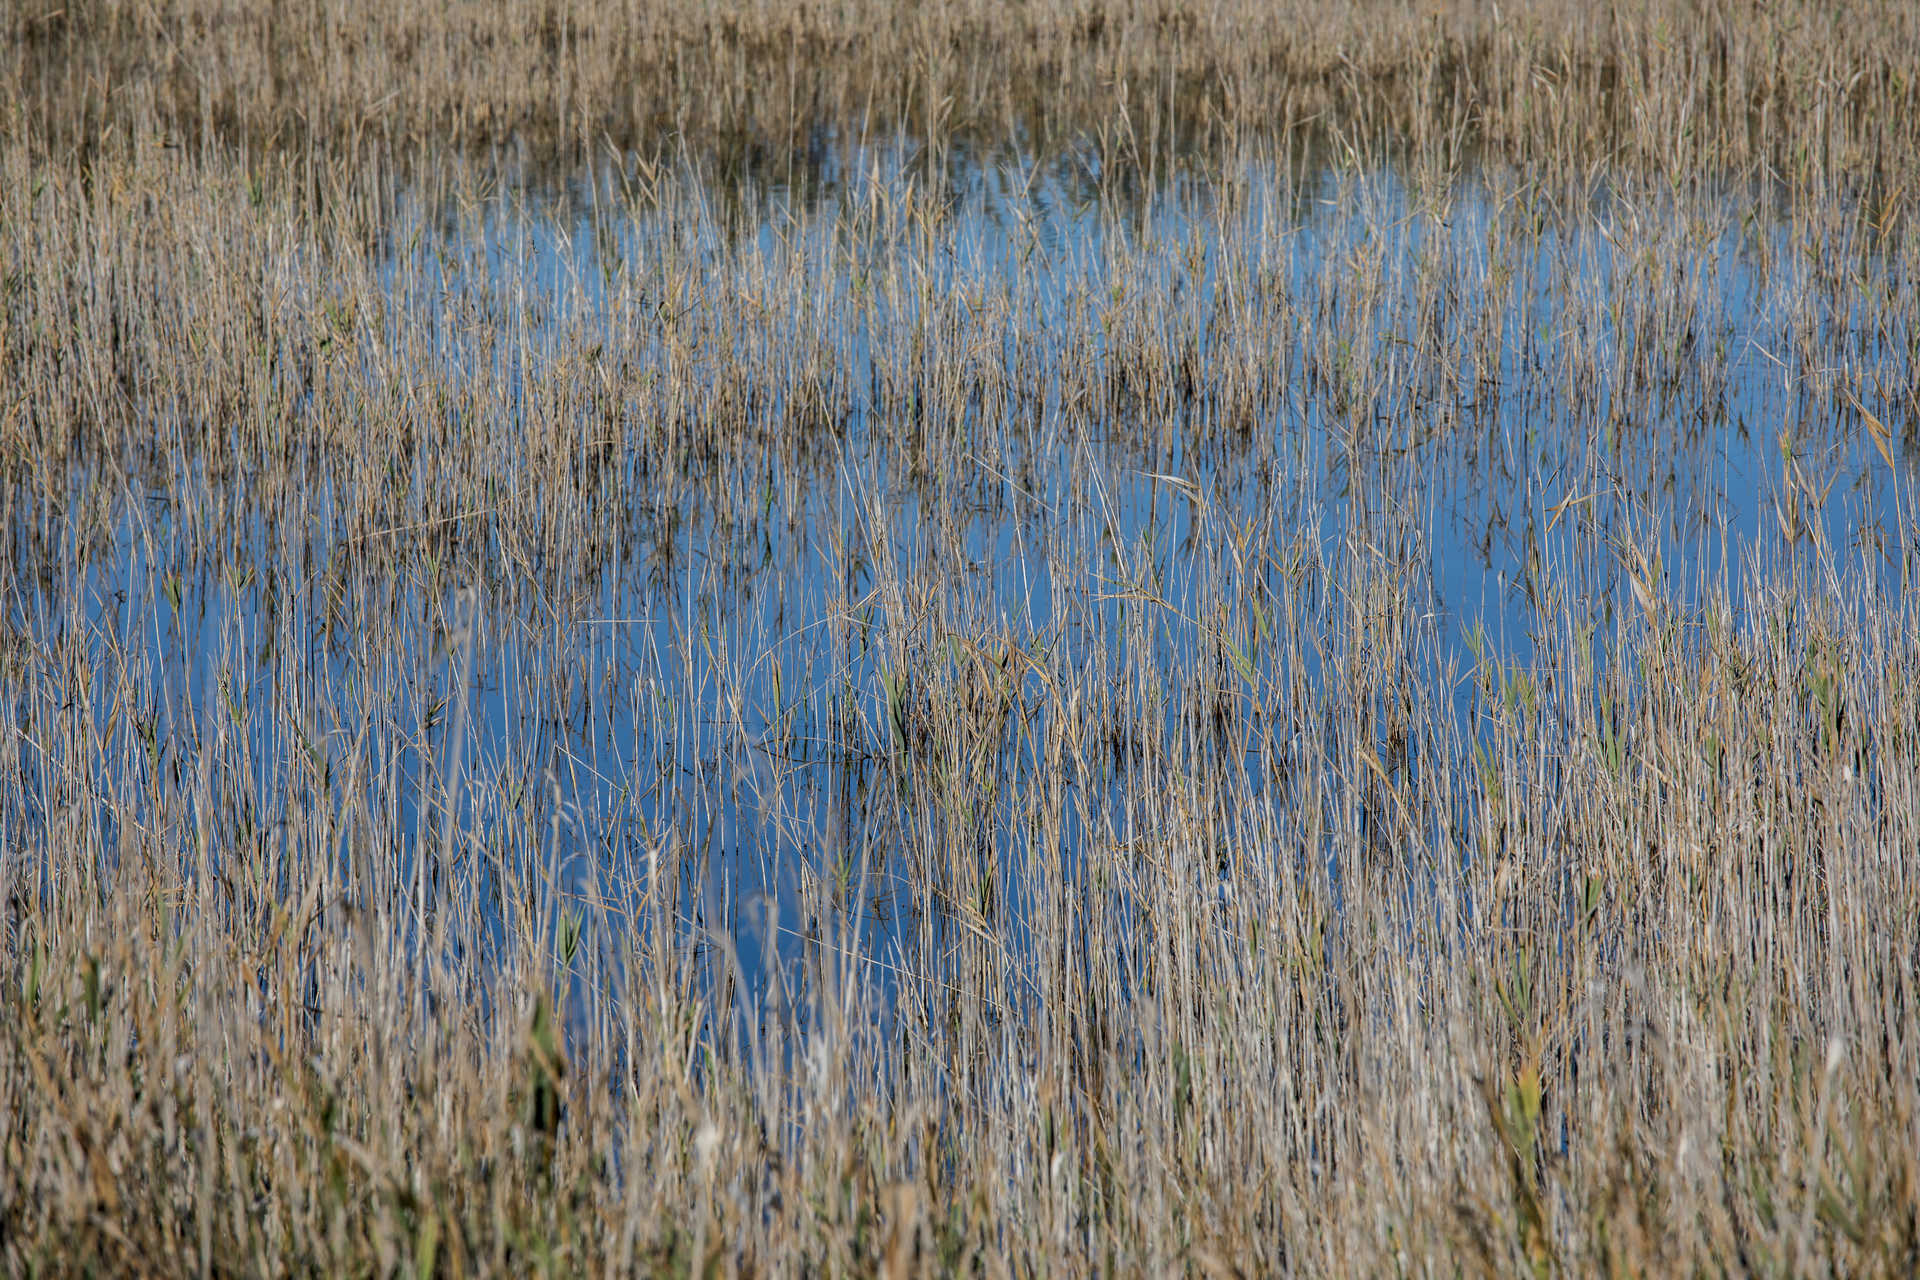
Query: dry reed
pixel 421 612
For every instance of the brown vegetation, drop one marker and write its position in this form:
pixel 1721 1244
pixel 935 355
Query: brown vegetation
pixel 1161 890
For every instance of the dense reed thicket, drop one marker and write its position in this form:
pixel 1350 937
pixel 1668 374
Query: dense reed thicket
pixel 1798 89
pixel 958 639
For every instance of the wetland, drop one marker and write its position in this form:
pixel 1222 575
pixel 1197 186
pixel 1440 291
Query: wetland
pixel 1103 638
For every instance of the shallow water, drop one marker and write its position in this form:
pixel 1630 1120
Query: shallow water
pixel 704 723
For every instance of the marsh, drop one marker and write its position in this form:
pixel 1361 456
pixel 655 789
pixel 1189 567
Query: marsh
pixel 1108 638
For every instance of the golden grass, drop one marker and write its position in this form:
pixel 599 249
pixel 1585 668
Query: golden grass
pixel 1236 923
pixel 1801 90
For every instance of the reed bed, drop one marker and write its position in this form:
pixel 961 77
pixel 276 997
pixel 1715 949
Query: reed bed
pixel 847 716
pixel 1691 88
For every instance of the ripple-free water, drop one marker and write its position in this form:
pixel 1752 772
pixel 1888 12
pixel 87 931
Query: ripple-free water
pixel 709 731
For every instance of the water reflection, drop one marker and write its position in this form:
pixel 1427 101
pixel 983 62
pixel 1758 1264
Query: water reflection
pixel 1194 454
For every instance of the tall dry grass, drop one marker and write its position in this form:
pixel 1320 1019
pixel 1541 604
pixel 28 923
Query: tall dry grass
pixel 1803 91
pixel 1161 887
